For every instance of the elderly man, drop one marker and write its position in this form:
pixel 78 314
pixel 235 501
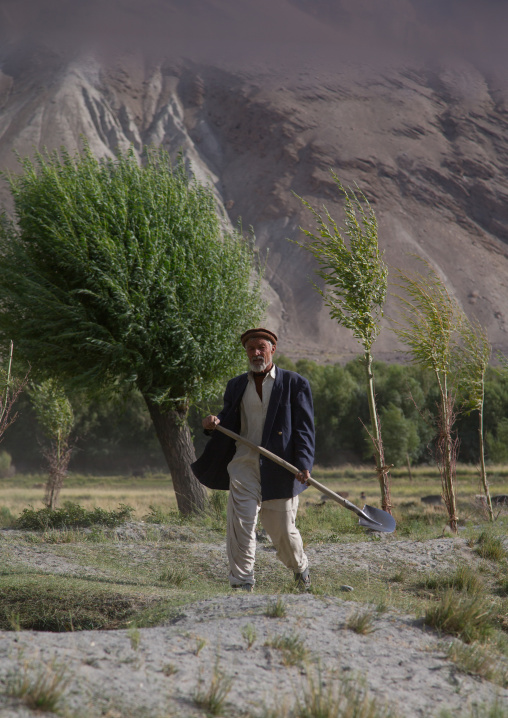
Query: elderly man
pixel 271 407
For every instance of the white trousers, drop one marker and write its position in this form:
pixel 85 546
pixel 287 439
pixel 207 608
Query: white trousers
pixel 277 517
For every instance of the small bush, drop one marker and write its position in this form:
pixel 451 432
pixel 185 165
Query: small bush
pixel 157 515
pixel 6 518
pixel 71 516
pixel 466 618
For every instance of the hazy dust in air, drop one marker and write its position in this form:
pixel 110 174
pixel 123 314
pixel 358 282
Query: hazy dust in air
pixel 319 32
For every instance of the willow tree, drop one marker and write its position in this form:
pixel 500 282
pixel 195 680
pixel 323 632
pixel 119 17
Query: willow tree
pixel 474 355
pixel 429 321
pixel 355 283
pixel 115 275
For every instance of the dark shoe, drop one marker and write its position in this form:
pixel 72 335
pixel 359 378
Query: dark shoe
pixel 302 580
pixel 244 587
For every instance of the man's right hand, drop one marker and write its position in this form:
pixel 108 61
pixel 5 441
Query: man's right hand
pixel 210 422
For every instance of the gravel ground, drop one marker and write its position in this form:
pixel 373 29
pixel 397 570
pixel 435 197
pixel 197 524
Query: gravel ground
pixel 155 672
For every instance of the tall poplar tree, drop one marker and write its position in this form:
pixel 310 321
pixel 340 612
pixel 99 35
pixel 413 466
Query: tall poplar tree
pixel 114 274
pixel 355 279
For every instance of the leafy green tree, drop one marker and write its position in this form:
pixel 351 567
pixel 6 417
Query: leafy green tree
pixel 116 275
pixel 56 419
pixel 400 435
pixel 498 443
pixel 474 356
pixel 428 326
pixel 355 279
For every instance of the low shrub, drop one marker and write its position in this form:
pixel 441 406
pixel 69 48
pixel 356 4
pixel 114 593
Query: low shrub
pixel 6 518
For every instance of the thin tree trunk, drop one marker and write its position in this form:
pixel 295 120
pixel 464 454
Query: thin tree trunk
pixel 448 454
pixel 483 470
pixel 174 435
pixel 382 470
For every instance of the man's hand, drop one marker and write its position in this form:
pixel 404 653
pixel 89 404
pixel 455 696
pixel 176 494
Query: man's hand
pixel 303 476
pixel 210 422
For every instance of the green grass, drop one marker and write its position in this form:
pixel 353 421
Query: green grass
pixel 292 647
pixel 212 698
pixel 71 515
pixel 361 622
pixel 470 619
pixel 490 546
pixel 337 697
pixel 476 660
pixel 39 686
pixel 276 609
pixel 464 578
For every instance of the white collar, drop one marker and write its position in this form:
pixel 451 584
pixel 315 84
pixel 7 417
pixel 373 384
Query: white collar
pixel 271 373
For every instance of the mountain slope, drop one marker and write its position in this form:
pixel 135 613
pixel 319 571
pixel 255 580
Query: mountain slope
pixel 427 142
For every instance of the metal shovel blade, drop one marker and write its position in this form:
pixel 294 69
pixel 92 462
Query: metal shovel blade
pixel 378 520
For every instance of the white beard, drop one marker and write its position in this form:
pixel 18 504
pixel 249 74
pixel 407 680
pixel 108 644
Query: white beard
pixel 258 367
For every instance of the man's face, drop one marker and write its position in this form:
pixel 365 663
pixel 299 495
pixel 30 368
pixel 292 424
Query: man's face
pixel 259 353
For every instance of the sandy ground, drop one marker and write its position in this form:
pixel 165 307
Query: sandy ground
pixel 157 672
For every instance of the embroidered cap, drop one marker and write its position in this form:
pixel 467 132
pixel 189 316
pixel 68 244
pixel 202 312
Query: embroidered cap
pixel 258 333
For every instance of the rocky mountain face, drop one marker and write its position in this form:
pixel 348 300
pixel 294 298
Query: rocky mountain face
pixel 426 141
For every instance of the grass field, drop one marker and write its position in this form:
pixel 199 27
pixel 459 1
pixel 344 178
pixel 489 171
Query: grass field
pixel 21 491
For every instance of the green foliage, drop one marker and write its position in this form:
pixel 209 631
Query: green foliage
pixel 53 409
pixel 5 464
pixel 6 518
pixel 497 444
pixel 474 356
pixel 121 275
pixel 71 516
pixel 428 319
pixel 400 435
pixel 354 273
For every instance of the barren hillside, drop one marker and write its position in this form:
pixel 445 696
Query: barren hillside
pixel 265 112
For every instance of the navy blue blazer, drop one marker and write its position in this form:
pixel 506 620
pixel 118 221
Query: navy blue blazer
pixel 288 432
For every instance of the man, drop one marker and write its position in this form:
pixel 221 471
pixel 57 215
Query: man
pixel 272 408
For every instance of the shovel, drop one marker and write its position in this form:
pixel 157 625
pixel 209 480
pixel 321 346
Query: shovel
pixel 370 517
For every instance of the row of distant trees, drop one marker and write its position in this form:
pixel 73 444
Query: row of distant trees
pixel 116 434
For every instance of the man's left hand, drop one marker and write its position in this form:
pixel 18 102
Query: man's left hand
pixel 303 476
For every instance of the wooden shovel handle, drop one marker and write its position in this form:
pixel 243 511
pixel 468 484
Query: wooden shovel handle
pixel 286 465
